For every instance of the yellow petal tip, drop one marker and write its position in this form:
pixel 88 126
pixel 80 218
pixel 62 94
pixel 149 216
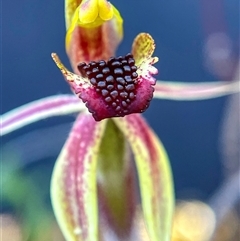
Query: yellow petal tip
pixel 88 11
pixel 95 11
pixel 105 10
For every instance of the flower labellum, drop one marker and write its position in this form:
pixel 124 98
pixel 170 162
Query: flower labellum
pixel 116 87
pixel 115 82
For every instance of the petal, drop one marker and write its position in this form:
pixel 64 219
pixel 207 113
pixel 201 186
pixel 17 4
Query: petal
pixel 116 183
pixel 88 11
pixel 106 10
pixel 142 50
pixel 85 90
pixel 154 175
pixel 94 12
pixel 70 8
pixel 39 110
pixel 74 184
pixel 194 91
pixel 97 40
pixel 77 82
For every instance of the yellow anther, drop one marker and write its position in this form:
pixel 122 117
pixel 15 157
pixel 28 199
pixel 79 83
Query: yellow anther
pixel 92 11
pixel 92 14
pixel 88 11
pixel 105 10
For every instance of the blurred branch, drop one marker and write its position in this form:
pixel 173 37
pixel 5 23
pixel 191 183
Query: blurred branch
pixel 230 135
pixel 225 198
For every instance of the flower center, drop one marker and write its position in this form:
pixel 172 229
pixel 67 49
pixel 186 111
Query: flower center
pixel 114 80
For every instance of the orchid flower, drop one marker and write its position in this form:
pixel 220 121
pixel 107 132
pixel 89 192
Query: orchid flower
pixel 93 188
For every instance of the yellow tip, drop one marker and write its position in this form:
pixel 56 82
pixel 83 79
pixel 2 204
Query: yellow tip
pixel 91 11
pixel 105 10
pixel 88 11
pixel 59 63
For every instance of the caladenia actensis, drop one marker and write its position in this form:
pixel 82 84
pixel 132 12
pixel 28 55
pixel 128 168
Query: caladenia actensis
pixel 93 188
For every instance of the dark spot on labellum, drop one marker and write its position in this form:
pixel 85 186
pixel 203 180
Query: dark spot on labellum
pixel 120 87
pixel 116 64
pixel 124 94
pixel 101 84
pixel 120 80
pixel 104 92
pixel 118 108
pixel 128 79
pixel 132 96
pixel 93 81
pixel 106 70
pixel 95 70
pixel 130 87
pixel 114 80
pixel 111 60
pixel 127 69
pixel 99 77
pixel 118 72
pixel 124 103
pixel 114 94
pixel 131 62
pixel 120 58
pixel 108 99
pixel 80 68
pixel 110 79
pixel 134 75
pixel 134 68
pixel 92 63
pixel 110 87
pixel 102 63
pixel 128 56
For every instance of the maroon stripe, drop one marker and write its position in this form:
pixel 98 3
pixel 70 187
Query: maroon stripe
pixel 44 106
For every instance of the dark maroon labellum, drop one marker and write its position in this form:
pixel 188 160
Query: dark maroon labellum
pixel 114 80
pixel 114 88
